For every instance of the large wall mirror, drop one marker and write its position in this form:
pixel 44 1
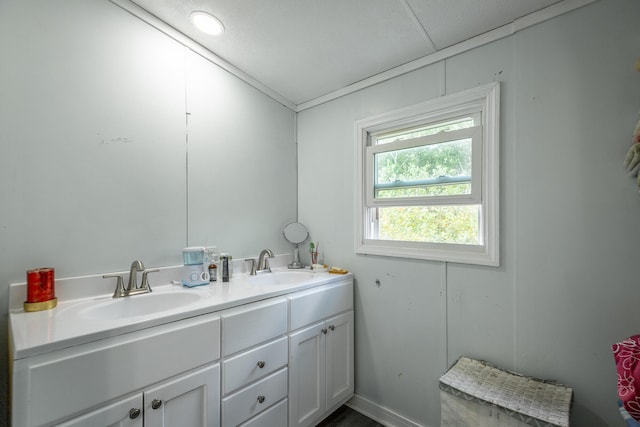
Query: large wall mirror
pixel 131 146
pixel 241 167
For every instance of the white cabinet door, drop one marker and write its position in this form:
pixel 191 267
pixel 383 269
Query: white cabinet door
pixel 339 343
pixel 307 375
pixel 190 400
pixel 126 412
pixel 320 369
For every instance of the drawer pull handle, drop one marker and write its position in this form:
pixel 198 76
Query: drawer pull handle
pixel 261 399
pixel 156 403
pixel 134 413
pixel 261 364
pixel 324 331
pixel 332 327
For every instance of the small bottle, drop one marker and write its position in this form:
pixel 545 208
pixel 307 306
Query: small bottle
pixel 227 269
pixel 213 262
pixel 213 272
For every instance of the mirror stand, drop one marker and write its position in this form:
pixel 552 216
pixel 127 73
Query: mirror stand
pixel 296 259
pixel 295 233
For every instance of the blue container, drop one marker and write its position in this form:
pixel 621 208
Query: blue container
pixel 625 415
pixel 193 255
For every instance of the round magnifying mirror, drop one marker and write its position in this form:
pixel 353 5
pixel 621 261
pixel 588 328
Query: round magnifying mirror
pixel 295 233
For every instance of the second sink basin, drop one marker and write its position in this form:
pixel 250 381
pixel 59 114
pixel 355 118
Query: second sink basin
pixel 139 305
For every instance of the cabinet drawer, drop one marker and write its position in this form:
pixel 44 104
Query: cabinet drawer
pixel 276 416
pixel 253 324
pixel 319 303
pixel 254 399
pixel 254 364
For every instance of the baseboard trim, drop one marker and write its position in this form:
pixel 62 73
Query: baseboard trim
pixel 383 415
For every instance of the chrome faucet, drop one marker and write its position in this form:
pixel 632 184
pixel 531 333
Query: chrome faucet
pixel 136 266
pixel 132 287
pixel 263 262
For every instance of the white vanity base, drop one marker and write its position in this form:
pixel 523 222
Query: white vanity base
pixel 245 354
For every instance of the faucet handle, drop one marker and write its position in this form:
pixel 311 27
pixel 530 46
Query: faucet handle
pixel 119 292
pixel 145 279
pixel 253 266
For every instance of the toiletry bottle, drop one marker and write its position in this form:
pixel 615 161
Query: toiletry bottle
pixel 226 267
pixel 213 263
pixel 213 272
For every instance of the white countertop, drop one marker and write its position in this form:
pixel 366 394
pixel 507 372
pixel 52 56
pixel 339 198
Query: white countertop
pixel 33 333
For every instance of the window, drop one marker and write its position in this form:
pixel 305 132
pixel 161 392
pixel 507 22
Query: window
pixel 427 180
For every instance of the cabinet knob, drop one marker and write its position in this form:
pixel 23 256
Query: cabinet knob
pixel 324 331
pixel 261 364
pixel 332 327
pixel 134 413
pixel 261 399
pixel 156 403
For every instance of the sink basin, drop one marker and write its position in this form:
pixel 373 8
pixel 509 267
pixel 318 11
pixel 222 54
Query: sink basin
pixel 139 305
pixel 281 278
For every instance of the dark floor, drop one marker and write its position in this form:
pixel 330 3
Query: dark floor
pixel 347 417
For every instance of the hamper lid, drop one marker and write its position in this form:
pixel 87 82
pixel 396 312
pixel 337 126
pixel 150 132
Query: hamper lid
pixel 534 402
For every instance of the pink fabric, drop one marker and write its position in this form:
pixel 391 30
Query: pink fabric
pixel 627 357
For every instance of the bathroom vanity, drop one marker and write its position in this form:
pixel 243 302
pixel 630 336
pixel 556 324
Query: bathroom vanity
pixel 269 350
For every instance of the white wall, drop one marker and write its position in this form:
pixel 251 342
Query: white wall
pixel 95 167
pixel 568 286
pixel 93 173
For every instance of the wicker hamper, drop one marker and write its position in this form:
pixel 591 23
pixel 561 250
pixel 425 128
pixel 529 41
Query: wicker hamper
pixel 476 394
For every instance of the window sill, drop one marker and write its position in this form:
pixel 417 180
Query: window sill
pixel 444 252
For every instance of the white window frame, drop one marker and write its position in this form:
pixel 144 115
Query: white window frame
pixel 484 100
pixel 473 133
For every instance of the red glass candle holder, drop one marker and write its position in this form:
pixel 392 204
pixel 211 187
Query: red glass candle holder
pixel 40 290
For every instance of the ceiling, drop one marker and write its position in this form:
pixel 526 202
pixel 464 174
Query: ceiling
pixel 303 49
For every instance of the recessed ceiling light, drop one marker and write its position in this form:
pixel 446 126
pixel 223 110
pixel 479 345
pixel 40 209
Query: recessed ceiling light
pixel 207 23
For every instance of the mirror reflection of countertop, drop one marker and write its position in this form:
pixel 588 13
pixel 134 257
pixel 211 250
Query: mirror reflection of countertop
pixel 87 312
